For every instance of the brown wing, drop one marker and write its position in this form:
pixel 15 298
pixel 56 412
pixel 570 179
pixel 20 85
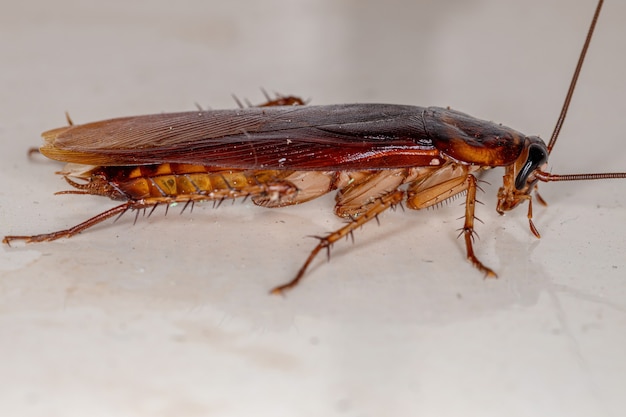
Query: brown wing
pixel 350 136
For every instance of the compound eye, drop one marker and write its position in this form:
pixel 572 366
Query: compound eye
pixel 537 156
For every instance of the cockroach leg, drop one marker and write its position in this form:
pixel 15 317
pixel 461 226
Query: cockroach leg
pixel 533 229
pixel 280 100
pixel 381 204
pixel 539 197
pixel 46 237
pixel 468 228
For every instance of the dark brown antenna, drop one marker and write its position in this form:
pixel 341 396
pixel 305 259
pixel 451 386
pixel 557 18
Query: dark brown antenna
pixel 548 177
pixel 572 85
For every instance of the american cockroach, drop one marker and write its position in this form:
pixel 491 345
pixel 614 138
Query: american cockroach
pixel 375 156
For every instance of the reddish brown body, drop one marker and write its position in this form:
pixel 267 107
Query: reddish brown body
pixel 338 137
pixel 283 153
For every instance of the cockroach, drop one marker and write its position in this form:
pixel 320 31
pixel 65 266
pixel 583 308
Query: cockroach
pixel 375 156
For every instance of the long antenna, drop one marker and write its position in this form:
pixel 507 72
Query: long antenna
pixel 572 85
pixel 548 177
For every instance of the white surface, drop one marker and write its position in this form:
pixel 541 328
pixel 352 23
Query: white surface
pixel 171 317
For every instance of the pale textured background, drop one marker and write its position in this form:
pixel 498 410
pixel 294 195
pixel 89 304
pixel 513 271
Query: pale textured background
pixel 171 317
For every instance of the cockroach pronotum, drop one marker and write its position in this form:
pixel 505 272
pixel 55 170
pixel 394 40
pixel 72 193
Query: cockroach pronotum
pixel 375 156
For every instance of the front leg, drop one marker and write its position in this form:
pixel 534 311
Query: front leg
pixel 468 227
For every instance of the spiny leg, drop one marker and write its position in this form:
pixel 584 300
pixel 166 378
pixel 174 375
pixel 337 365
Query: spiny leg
pixel 468 227
pixel 533 229
pixel 541 201
pixel 280 100
pixel 46 237
pixel 272 190
pixel 539 197
pixel 381 204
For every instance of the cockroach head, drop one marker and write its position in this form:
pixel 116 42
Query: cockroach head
pixel 519 177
